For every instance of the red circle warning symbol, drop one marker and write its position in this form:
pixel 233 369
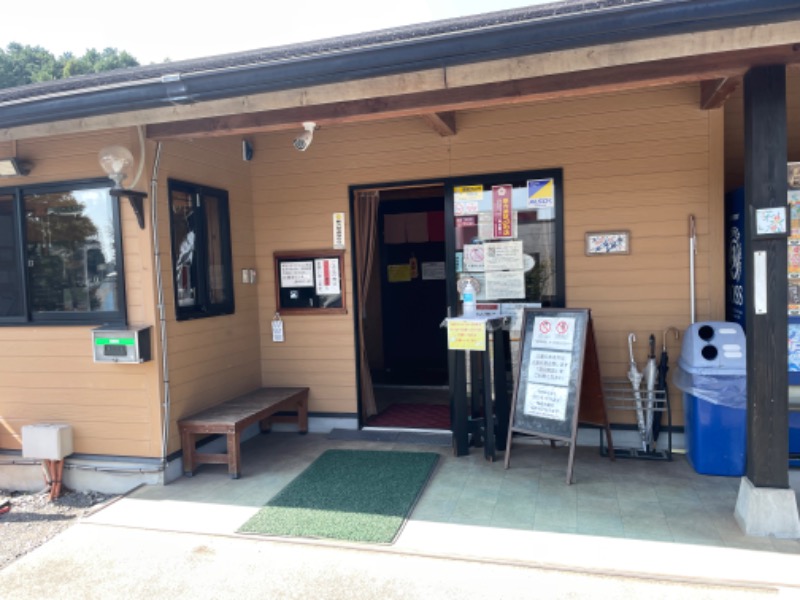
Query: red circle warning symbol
pixel 562 327
pixel 544 326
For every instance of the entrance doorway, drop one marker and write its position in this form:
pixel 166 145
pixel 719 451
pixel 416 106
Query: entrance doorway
pixel 416 246
pixel 405 304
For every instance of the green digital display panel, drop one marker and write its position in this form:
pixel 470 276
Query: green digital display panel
pixel 115 341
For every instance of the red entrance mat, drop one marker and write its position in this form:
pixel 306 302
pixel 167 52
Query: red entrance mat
pixel 420 416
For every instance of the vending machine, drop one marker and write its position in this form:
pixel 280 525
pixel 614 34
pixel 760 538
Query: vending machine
pixel 736 246
pixel 736 307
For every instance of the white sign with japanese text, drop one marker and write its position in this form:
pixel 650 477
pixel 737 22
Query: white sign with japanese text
pixel 555 333
pixel 551 368
pixel 546 402
pixel 297 274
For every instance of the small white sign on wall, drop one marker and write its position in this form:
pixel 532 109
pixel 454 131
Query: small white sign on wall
pixel 338 231
pixel 277 328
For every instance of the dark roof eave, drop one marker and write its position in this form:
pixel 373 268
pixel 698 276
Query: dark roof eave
pixel 625 23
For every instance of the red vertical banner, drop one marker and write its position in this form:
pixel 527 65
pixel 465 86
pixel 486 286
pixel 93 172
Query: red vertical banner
pixel 326 270
pixel 501 211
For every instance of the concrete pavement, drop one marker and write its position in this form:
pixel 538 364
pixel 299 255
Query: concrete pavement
pixel 179 541
pixel 92 561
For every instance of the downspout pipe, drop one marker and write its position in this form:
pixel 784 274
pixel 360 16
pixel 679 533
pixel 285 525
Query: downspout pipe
pixel 162 315
pixel 389 52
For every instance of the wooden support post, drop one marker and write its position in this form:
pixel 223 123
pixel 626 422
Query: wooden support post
pixel 765 187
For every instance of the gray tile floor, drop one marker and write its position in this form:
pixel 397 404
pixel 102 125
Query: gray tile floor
pixel 626 499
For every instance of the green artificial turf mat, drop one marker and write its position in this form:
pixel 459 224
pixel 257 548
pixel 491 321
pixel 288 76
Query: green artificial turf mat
pixel 353 495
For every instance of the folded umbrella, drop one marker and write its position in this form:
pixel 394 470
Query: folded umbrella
pixel 661 382
pixel 635 378
pixel 650 374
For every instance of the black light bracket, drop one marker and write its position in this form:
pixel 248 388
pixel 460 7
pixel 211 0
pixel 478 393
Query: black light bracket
pixel 136 199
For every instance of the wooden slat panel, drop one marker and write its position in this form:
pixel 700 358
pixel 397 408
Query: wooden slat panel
pixel 637 161
pixel 214 359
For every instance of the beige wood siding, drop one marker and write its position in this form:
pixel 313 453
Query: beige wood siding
pixel 734 129
pixel 642 161
pixel 216 358
pixel 47 373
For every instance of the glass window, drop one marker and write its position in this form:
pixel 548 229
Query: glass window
pixel 507 231
pixel 201 250
pixel 12 296
pixel 60 258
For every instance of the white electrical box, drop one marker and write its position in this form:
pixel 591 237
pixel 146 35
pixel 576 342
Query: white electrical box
pixel 121 345
pixel 47 441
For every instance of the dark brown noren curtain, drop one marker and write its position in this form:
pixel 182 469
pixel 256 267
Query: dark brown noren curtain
pixel 366 227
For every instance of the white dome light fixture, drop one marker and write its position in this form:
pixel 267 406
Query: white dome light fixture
pixel 117 161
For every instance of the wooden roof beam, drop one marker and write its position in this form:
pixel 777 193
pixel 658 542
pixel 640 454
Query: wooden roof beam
pixel 723 66
pixel 715 92
pixel 443 123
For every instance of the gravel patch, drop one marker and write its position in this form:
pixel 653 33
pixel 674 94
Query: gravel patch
pixel 34 518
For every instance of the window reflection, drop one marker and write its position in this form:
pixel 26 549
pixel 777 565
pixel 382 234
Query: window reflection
pixel 11 297
pixel 184 226
pixel 533 226
pixel 71 251
pixel 216 268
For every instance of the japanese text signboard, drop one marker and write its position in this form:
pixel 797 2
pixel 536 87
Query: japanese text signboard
pixel 501 211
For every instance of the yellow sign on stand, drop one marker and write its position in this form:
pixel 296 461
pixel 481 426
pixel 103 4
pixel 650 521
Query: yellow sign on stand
pixel 466 334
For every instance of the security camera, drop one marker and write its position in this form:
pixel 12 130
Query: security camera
pixel 304 140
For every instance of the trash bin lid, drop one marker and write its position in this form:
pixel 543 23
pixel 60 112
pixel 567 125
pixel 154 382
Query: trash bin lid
pixel 714 348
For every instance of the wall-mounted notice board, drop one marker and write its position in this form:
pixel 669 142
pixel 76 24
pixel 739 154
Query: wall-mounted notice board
pixel 555 345
pixel 310 282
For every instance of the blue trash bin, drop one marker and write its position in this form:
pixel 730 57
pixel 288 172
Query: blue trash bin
pixel 712 374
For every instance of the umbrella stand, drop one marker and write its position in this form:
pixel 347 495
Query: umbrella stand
pixel 635 377
pixel 624 394
pixel 619 397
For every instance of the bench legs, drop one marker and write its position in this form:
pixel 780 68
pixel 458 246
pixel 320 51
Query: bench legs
pixel 234 456
pixel 302 418
pixel 302 414
pixel 187 443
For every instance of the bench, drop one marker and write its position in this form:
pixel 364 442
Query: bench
pixel 234 416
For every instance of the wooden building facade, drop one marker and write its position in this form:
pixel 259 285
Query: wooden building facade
pixel 646 129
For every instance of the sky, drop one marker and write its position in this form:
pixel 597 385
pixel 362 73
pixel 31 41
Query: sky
pixel 157 30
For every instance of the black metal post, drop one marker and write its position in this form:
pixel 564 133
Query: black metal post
pixel 488 412
pixel 502 402
pixel 459 413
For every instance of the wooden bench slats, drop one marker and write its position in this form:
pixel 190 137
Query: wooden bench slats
pixel 234 416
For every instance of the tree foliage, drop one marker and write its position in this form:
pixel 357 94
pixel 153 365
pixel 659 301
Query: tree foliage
pixel 21 65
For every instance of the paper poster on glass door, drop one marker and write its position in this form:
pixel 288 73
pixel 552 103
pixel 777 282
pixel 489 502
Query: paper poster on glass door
pixel 467 199
pixel 541 193
pixel 501 211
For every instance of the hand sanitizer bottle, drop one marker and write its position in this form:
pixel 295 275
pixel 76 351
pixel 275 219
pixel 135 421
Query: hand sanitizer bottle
pixel 468 298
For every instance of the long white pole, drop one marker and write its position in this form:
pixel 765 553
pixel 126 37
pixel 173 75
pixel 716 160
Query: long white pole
pixel 692 253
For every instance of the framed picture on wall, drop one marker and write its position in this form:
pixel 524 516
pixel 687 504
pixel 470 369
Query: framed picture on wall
pixel 601 243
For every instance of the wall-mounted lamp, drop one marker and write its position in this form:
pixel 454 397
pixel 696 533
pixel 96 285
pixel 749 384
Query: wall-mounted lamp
pixel 304 140
pixel 116 161
pixel 11 167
